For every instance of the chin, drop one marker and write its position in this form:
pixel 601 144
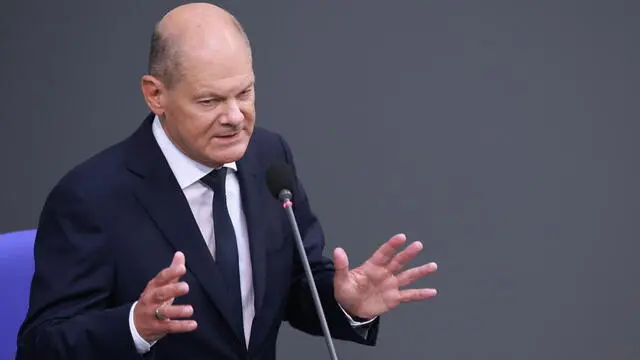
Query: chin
pixel 229 155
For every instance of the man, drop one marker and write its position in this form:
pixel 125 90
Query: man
pixel 188 189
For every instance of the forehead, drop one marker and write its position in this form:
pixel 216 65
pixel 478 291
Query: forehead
pixel 217 69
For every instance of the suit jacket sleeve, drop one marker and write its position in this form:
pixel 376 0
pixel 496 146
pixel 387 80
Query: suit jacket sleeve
pixel 69 315
pixel 301 312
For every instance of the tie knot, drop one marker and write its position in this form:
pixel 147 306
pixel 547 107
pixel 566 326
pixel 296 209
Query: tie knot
pixel 215 179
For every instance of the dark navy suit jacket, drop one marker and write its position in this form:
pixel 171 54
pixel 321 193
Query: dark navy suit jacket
pixel 112 223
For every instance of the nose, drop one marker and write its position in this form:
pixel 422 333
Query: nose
pixel 234 116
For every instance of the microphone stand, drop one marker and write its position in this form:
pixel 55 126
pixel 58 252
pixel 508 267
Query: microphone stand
pixel 285 196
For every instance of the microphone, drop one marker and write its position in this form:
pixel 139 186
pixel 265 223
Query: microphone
pixel 280 182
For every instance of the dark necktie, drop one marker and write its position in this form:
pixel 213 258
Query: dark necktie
pixel 226 252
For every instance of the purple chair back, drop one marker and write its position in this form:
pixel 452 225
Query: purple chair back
pixel 16 270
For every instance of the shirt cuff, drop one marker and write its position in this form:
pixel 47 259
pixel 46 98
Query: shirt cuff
pixel 361 327
pixel 142 345
pixel 355 323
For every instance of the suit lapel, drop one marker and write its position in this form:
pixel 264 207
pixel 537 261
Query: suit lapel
pixel 161 196
pixel 252 194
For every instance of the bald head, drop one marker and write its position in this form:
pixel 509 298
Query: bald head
pixel 191 30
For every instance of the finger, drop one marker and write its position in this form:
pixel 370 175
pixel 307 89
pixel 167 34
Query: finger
pixel 402 258
pixel 179 262
pixel 408 276
pixel 170 274
pixel 416 294
pixel 167 292
pixel 175 311
pixel 341 264
pixel 178 259
pixel 167 276
pixel 178 326
pixel 386 250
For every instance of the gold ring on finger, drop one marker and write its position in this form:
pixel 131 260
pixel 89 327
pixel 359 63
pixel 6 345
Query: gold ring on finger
pixel 158 315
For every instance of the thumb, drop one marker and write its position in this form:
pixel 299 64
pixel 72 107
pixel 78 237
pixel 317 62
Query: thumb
pixel 341 264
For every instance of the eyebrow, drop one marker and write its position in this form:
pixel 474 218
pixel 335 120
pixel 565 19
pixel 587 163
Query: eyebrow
pixel 209 93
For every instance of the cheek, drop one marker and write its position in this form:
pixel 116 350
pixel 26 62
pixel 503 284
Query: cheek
pixel 196 127
pixel 249 111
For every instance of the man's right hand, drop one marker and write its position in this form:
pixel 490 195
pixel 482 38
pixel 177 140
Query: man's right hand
pixel 157 299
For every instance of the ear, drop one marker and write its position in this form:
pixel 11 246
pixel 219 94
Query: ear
pixel 154 94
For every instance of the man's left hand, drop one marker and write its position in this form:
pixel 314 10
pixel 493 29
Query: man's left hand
pixel 373 288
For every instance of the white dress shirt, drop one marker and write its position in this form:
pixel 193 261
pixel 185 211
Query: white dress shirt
pixel 200 198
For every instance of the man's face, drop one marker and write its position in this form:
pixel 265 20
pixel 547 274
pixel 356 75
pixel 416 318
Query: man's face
pixel 209 113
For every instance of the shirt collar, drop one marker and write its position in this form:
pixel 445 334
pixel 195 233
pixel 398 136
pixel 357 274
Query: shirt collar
pixel 186 170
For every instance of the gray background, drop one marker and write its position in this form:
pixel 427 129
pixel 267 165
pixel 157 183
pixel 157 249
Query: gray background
pixel 502 133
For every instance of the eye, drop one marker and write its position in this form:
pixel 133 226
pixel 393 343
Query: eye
pixel 208 102
pixel 245 94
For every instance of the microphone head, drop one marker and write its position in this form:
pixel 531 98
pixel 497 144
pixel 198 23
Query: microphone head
pixel 280 177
